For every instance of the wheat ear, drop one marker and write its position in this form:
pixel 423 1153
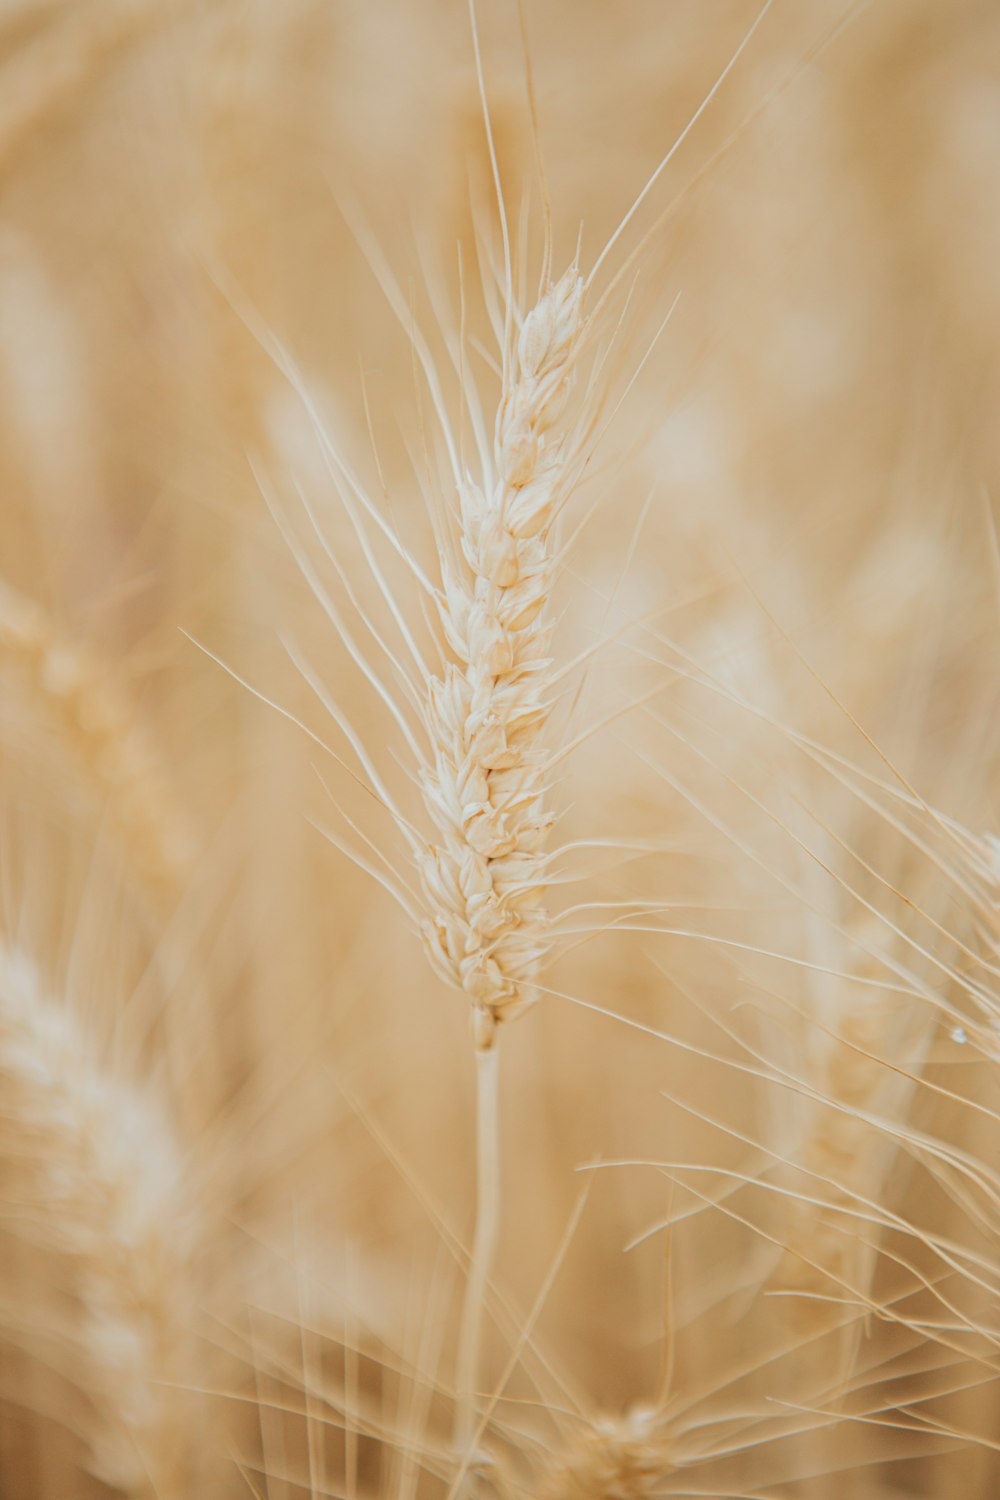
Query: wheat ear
pixel 485 786
pixel 617 1458
pixel 92 1178
pixel 99 727
pixel 485 790
pixel 866 1061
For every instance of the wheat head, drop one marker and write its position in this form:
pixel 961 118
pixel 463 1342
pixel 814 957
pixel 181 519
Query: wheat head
pixel 485 790
pixel 94 1182
pixel 100 730
pixel 617 1458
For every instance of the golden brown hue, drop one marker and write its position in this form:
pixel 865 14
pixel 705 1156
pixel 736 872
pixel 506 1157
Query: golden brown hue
pixel 705 759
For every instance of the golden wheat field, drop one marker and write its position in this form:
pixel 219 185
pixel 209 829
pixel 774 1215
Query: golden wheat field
pixel 499 749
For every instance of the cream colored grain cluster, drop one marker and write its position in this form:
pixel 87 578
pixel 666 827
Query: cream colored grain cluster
pixel 486 788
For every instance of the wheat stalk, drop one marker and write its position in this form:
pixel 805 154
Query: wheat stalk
pixel 484 784
pixel 486 787
pixel 92 1178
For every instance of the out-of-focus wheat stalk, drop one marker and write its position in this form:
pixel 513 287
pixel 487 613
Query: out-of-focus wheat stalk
pixel 94 1183
pixel 862 1048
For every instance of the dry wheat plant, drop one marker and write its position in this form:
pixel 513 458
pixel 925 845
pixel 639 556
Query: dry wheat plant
pixel 500 749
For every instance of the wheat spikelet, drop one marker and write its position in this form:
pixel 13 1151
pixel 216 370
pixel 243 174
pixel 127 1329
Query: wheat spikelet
pixel 621 1458
pixel 101 730
pixel 92 1179
pixel 486 789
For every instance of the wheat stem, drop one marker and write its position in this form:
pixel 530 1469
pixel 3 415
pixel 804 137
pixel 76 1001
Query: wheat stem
pixel 484 1242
